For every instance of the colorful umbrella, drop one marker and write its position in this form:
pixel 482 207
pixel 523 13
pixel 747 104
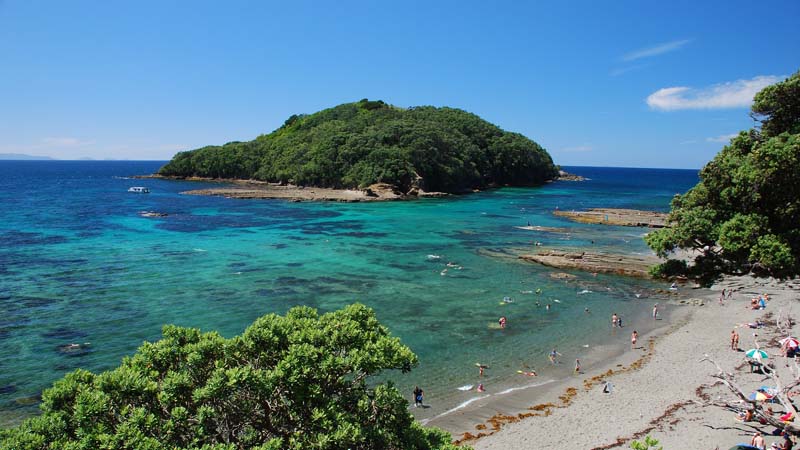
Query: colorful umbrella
pixel 759 397
pixel 756 353
pixel 790 342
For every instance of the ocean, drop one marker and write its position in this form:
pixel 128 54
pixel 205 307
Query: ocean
pixel 78 264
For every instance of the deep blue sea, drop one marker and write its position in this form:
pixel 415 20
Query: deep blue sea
pixel 78 265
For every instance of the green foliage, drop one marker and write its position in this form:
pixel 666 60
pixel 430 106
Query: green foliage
pixel 670 268
pixel 293 382
pixel 358 144
pixel 743 214
pixel 648 444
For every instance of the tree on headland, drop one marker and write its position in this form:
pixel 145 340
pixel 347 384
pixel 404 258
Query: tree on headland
pixel 744 213
pixel 358 144
pixel 296 382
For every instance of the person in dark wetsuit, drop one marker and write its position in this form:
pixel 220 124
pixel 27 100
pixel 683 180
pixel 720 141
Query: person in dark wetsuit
pixel 418 395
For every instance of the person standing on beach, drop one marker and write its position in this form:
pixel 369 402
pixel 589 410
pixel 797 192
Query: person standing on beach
pixel 614 320
pixel 577 366
pixel 734 340
pixel 553 356
pixel 418 396
pixel 722 298
pixel 758 441
pixel 655 311
pixel 634 336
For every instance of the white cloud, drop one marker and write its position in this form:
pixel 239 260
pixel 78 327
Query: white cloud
pixel 64 142
pixel 577 148
pixel 655 50
pixel 733 94
pixel 724 138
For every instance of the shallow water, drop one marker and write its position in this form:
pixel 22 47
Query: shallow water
pixel 79 265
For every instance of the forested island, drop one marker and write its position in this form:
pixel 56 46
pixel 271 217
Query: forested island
pixel 355 145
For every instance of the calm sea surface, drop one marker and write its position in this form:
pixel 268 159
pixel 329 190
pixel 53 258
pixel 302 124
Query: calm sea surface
pixel 79 265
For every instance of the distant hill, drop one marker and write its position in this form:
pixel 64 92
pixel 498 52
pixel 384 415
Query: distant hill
pixel 22 157
pixel 366 142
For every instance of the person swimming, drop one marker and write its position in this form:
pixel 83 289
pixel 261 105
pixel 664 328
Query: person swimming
pixel 502 321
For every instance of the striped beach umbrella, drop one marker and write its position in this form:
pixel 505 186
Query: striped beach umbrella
pixel 756 354
pixel 789 342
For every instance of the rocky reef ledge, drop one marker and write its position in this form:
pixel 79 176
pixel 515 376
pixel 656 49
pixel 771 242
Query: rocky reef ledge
pixel 257 190
pixel 615 216
pixel 629 265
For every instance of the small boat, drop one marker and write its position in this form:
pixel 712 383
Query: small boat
pixel 139 190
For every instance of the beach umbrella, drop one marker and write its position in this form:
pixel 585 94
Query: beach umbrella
pixel 756 353
pixel 759 396
pixel 790 342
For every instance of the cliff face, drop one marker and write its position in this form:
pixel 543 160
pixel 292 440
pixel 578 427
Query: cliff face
pixel 356 145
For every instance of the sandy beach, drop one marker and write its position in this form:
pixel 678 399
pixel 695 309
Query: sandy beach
pixel 660 389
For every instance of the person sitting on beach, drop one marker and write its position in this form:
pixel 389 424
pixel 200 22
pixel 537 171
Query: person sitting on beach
pixel 480 387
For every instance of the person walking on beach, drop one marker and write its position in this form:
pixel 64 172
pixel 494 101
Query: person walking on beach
pixel 734 340
pixel 553 356
pixel 577 366
pixel 634 336
pixel 722 298
pixel 655 311
pixel 418 396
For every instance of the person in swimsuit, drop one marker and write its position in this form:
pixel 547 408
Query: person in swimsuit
pixel 634 337
pixel 577 366
pixel 480 387
pixel 502 322
pixel 553 356
pixel 614 320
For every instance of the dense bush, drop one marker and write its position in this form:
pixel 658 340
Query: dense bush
pixel 293 382
pixel 744 213
pixel 358 144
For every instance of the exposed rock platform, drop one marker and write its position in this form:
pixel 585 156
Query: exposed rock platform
pixel 615 216
pixel 630 265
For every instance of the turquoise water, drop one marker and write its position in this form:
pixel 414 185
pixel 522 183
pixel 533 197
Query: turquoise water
pixel 79 265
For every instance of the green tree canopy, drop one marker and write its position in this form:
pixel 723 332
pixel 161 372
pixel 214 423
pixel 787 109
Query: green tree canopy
pixel 744 213
pixel 358 144
pixel 293 382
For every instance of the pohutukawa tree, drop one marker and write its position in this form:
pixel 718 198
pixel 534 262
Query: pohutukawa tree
pixel 744 213
pixel 293 382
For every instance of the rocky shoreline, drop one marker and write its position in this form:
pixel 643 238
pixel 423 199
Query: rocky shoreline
pixel 628 265
pixel 617 216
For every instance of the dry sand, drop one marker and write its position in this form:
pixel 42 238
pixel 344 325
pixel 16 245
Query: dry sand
pixel 659 389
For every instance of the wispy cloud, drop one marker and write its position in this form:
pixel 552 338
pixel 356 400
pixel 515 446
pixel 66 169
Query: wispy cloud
pixel 722 138
pixel 623 70
pixel 733 94
pixel 655 50
pixel 577 148
pixel 65 142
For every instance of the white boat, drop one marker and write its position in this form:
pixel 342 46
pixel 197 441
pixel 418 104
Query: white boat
pixel 139 190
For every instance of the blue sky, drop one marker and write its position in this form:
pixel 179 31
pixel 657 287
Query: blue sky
pixel 616 83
